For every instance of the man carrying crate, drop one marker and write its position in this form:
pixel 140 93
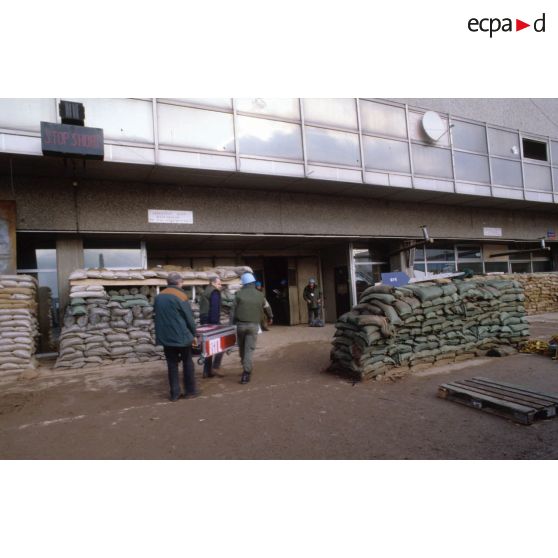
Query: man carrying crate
pixel 210 313
pixel 175 329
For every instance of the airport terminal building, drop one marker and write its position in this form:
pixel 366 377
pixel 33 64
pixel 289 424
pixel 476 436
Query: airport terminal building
pixel 338 189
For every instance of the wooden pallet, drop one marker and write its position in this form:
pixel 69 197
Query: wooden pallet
pixel 518 403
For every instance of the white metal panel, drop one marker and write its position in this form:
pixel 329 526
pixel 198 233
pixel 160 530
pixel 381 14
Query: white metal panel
pixel 196 160
pixel 26 114
pixel 507 193
pixel 125 154
pixel 121 119
pixel 473 189
pixel 271 167
pixel 25 145
pixel 332 173
pixel 435 185
pixel 378 178
pixel 538 196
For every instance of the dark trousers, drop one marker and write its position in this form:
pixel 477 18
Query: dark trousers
pixel 212 363
pixel 174 355
pixel 313 314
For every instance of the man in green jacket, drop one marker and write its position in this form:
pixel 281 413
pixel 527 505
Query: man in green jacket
pixel 313 297
pixel 175 329
pixel 246 314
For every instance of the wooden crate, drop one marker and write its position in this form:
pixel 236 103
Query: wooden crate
pixel 518 403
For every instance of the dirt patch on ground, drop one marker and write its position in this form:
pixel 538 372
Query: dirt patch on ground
pixel 292 409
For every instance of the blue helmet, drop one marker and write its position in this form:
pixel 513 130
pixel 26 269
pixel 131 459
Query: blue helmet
pixel 258 283
pixel 247 278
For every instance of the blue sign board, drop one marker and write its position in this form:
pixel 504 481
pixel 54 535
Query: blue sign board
pixel 396 279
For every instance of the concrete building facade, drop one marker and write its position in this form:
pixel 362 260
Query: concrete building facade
pixel 333 188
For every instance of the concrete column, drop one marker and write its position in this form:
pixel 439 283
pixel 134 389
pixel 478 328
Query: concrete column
pixel 69 257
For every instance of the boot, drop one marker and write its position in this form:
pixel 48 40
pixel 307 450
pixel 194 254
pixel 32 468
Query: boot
pixel 245 377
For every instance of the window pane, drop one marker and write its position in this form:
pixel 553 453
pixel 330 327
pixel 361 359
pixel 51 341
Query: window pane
pixel 554 147
pixel 439 267
pixel 419 267
pixel 496 267
pixel 121 119
pixel 417 131
pixel 208 102
pixel 469 252
pixel 361 255
pixel 386 154
pixel 432 161
pixel 27 114
pixel 340 113
pixel 440 254
pixel 471 167
pixel 540 266
pixel 555 178
pixel 521 267
pixel 46 258
pixel 506 173
pixel 471 137
pixel 537 177
pixel 49 279
pixel 269 138
pixel 475 267
pixel 112 258
pixel 366 275
pixel 505 144
pixel 383 119
pixel 197 128
pixel 285 108
pixel 327 146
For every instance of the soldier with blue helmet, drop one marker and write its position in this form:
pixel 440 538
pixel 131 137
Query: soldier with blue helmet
pixel 246 313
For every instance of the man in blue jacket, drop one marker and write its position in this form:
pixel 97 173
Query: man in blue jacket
pixel 210 313
pixel 175 329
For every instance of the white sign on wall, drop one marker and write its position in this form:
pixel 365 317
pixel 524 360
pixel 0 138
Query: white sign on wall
pixel 492 231
pixel 170 216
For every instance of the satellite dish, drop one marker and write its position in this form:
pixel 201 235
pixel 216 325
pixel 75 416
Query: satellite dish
pixel 434 127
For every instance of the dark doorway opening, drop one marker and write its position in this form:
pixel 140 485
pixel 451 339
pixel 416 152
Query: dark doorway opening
pixel 276 272
pixel 342 297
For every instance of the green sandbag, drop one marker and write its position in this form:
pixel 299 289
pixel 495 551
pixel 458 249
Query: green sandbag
pixel 77 301
pixel 366 308
pixel 382 289
pixel 389 312
pixel 385 298
pixel 402 308
pixel 135 302
pixel 117 298
pixel 425 294
pixel 78 310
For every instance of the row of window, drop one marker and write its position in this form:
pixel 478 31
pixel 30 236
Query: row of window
pixel 208 124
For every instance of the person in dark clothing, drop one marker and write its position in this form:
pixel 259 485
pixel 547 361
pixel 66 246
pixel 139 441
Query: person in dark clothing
pixel 210 313
pixel 313 297
pixel 246 314
pixel 175 330
pixel 282 301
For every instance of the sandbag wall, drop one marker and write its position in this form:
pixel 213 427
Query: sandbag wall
pixel 108 326
pixel 114 325
pixel 541 291
pixel 18 322
pixel 393 331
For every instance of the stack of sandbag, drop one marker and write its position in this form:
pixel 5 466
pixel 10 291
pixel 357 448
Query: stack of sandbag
pixel 161 272
pixel 396 330
pixel 113 326
pixel 541 291
pixel 18 322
